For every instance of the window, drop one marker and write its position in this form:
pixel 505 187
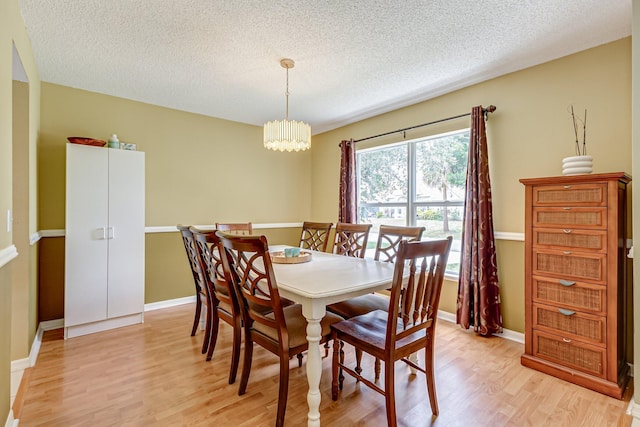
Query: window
pixel 419 182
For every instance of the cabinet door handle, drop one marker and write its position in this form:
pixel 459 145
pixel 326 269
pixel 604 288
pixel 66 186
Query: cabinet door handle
pixel 566 283
pixel 566 231
pixel 566 340
pixel 567 252
pixel 101 233
pixel 567 186
pixel 112 233
pixel 567 209
pixel 566 312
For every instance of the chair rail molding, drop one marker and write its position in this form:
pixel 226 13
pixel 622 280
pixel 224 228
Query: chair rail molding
pixel 499 235
pixel 503 235
pixel 7 254
pixel 34 238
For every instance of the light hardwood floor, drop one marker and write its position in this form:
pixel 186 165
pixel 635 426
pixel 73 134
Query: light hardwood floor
pixel 154 375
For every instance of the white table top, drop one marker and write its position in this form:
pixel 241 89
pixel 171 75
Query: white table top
pixel 331 277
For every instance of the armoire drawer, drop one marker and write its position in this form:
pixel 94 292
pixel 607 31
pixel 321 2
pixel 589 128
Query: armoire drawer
pixel 587 194
pixel 570 238
pixel 573 354
pixel 582 266
pixel 570 324
pixel 570 294
pixel 570 217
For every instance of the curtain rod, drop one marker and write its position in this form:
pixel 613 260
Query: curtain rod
pixel 489 109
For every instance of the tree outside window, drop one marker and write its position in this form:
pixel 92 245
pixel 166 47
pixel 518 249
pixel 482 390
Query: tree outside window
pixel 419 182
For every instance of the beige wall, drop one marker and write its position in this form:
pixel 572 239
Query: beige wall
pixel 22 335
pixel 636 201
pixel 17 314
pixel 528 136
pixel 198 169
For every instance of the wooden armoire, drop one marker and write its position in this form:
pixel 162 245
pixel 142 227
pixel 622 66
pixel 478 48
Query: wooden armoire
pixel 576 288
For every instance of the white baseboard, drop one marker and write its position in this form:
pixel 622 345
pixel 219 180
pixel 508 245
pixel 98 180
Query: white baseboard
pixel 11 422
pixel 169 303
pixel 18 366
pixel 50 325
pixel 17 371
pixel 507 333
pixel 634 410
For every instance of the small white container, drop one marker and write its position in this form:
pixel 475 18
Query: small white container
pixel 113 141
pixel 576 165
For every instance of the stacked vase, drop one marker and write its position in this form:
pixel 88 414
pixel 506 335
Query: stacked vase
pixel 576 165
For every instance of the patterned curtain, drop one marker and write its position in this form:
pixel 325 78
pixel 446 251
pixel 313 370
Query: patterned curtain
pixel 478 291
pixel 347 211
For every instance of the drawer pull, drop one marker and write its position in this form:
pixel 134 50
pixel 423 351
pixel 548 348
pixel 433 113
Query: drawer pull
pixel 567 186
pixel 567 252
pixel 566 340
pixel 566 231
pixel 566 283
pixel 567 209
pixel 566 312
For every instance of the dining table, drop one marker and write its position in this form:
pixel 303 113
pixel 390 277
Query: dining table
pixel 325 279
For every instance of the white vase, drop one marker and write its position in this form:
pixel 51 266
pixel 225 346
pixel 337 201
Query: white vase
pixel 577 165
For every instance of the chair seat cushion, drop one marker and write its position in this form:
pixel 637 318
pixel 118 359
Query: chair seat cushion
pixel 359 305
pixel 370 329
pixel 222 305
pixel 296 325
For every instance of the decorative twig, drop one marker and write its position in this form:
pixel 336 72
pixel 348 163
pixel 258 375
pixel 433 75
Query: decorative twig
pixel 575 130
pixel 584 134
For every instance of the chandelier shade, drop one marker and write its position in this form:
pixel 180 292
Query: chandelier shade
pixel 287 135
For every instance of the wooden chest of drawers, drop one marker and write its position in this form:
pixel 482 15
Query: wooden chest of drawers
pixel 575 279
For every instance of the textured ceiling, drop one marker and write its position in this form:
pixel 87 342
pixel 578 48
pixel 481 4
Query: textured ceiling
pixel 354 59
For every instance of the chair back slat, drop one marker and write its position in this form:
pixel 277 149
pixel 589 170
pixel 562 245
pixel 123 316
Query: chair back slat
pixel 247 264
pixel 415 304
pixel 389 238
pixel 192 255
pixel 351 239
pixel 207 247
pixel 315 235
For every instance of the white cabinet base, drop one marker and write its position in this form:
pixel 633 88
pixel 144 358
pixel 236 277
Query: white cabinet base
pixel 103 325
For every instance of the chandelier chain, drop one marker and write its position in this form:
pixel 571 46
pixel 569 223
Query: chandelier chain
pixel 287 96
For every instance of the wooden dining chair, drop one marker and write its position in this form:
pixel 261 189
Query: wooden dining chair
pixel 240 228
pixel 387 245
pixel 315 235
pixel 202 296
pixel 224 301
pixel 280 330
pixel 405 327
pixel 351 239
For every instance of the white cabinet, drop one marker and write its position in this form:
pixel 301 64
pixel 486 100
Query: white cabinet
pixel 104 239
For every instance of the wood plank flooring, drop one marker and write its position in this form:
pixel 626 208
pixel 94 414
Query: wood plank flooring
pixel 154 375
